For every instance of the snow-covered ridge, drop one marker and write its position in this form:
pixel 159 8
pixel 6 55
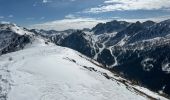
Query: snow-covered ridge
pixel 43 71
pixel 13 37
pixel 14 28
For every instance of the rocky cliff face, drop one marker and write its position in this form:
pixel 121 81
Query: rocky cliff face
pixel 11 38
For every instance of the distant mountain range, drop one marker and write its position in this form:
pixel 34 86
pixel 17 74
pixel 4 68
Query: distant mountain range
pixel 137 51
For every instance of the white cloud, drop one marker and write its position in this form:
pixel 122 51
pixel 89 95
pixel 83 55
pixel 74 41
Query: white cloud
pixel 4 22
pixel 113 5
pixel 77 23
pixel 70 16
pixel 30 18
pixel 160 18
pixel 10 16
pixel 35 4
pixel 72 0
pixel 45 1
pixel 1 17
pixel 80 23
pixel 155 19
pixel 42 18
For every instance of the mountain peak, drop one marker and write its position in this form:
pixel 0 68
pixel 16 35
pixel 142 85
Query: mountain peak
pixel 165 22
pixel 148 23
pixel 14 28
pixel 109 27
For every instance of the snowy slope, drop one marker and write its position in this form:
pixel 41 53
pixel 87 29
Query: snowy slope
pixel 124 47
pixel 43 71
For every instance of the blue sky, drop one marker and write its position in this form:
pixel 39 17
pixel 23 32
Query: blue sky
pixel 54 14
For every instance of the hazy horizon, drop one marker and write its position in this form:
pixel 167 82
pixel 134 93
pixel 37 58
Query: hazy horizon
pixel 71 14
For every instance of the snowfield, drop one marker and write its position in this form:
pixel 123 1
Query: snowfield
pixel 48 72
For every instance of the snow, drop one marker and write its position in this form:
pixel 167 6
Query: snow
pixel 166 68
pixel 48 72
pixel 123 41
pixel 98 38
pixel 155 95
pixel 147 64
pixel 15 28
pixel 115 58
pixel 20 30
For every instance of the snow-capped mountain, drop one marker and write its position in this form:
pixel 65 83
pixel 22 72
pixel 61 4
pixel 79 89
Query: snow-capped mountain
pixel 109 27
pixel 12 37
pixel 45 71
pixel 138 51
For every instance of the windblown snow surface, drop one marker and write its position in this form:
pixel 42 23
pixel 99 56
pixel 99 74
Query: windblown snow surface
pixel 49 72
